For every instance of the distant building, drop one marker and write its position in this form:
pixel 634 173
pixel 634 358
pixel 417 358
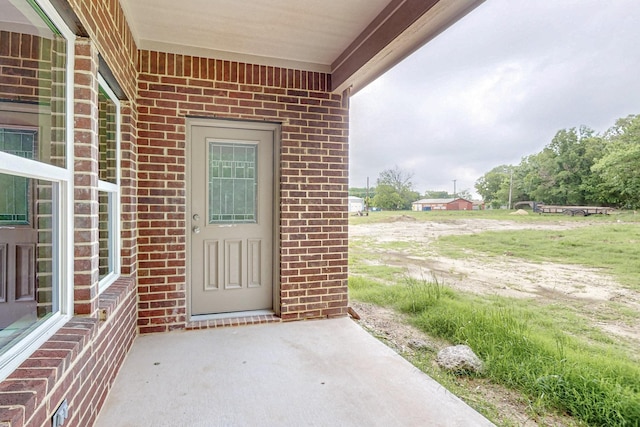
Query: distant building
pixel 356 204
pixel 442 205
pixel 478 205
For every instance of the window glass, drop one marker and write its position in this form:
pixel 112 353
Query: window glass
pixel 33 178
pixel 108 185
pixel 105 234
pixel 32 79
pixel 232 182
pixel 28 284
pixel 107 137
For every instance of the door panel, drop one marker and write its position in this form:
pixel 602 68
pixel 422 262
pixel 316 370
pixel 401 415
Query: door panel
pixel 17 274
pixel 234 264
pixel 211 267
pixel 254 259
pixel 25 274
pixel 231 198
pixel 18 234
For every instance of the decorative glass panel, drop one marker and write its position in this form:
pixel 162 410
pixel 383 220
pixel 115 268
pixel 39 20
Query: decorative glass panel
pixel 15 192
pixel 232 182
pixel 19 142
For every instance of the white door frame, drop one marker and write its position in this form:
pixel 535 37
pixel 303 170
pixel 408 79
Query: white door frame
pixel 248 125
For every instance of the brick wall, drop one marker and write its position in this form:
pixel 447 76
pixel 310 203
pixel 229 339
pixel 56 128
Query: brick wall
pixel 108 29
pixel 25 74
pixel 111 36
pixel 78 363
pixel 128 189
pixel 86 179
pixel 313 182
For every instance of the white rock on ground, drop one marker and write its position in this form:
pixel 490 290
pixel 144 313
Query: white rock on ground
pixel 459 358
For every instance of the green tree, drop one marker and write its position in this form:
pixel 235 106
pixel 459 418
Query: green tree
pixel 578 167
pixel 463 194
pixel 435 194
pixel 561 172
pixel 626 129
pixel 442 194
pixel 618 170
pixel 394 190
pixel 575 155
pixel 358 192
pixel 388 198
pixel 518 184
pixel 362 193
pixel 491 185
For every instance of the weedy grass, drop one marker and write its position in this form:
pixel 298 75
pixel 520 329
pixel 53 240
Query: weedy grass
pixel 495 214
pixel 525 348
pixel 362 263
pixel 610 247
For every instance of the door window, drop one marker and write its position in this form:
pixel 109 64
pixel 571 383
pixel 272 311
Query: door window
pixel 15 205
pixel 232 182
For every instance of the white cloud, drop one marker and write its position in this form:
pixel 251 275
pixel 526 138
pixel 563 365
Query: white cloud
pixel 497 86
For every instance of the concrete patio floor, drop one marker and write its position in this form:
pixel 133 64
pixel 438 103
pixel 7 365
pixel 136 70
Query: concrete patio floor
pixel 313 373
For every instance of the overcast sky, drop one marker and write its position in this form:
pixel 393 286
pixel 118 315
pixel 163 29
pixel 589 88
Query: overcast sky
pixel 496 87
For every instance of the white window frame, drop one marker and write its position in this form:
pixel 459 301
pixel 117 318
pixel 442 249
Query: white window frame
pixel 113 191
pixel 63 239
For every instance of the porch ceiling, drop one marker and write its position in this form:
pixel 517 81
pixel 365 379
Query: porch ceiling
pixel 354 40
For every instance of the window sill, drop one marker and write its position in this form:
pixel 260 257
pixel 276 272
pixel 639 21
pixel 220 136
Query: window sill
pixel 111 297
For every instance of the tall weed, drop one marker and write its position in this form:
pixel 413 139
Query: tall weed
pixel 421 294
pixel 522 350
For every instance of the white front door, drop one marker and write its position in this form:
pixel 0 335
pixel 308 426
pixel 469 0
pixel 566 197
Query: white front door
pixel 231 223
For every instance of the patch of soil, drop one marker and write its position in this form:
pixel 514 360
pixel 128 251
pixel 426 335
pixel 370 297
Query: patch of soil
pixel 506 275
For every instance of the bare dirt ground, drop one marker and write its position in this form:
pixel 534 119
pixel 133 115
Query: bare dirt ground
pixel 506 275
pixel 588 290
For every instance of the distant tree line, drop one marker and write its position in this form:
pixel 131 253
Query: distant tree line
pixel 578 167
pixel 394 191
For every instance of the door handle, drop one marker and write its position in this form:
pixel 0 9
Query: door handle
pixel 196 230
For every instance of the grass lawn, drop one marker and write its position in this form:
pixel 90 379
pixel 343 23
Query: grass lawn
pixel 551 353
pixel 612 247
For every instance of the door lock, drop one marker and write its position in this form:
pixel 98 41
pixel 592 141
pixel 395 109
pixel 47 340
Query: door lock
pixel 196 230
pixel 196 217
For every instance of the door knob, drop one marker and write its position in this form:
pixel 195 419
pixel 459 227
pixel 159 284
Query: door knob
pixel 196 230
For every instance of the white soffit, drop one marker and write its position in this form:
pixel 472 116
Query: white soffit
pixel 303 34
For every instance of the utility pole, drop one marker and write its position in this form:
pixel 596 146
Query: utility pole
pixel 510 186
pixel 454 188
pixel 366 201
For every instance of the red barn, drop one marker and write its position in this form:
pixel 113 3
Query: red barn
pixel 460 205
pixel 442 205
